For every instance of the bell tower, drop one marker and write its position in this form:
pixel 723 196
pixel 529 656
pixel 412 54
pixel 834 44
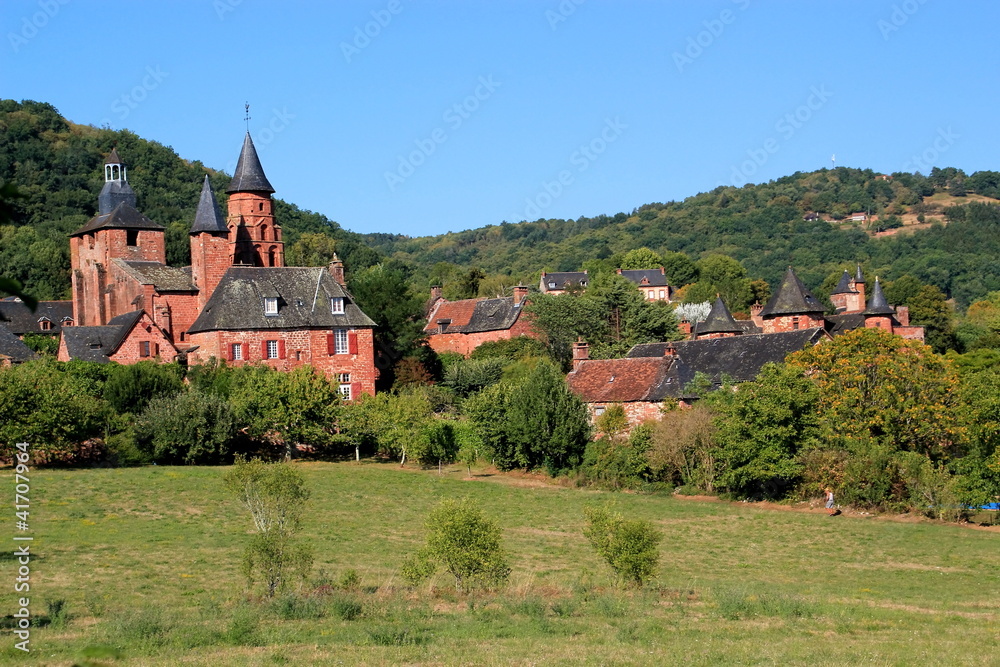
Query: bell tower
pixel 253 233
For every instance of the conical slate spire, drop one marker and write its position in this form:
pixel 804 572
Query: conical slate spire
pixel 719 320
pixel 249 176
pixel 858 276
pixel 844 286
pixel 792 298
pixel 878 305
pixel 207 218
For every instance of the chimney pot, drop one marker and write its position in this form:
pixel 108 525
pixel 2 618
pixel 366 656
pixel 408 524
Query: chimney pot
pixel 581 353
pixel 520 293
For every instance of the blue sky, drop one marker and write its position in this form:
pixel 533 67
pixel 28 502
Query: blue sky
pixel 422 117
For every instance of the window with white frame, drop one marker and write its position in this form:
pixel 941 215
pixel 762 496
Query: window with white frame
pixel 272 349
pixel 599 410
pixel 663 294
pixel 345 385
pixel 237 351
pixel 340 341
pixel 337 305
pixel 270 305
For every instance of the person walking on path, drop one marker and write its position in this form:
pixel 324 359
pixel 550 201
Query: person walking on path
pixel 829 502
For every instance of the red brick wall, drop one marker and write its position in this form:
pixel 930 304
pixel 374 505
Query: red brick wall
pixel 300 347
pixel 211 255
pixel 637 412
pixel 465 343
pixel 129 352
pixel 783 323
pixel 257 214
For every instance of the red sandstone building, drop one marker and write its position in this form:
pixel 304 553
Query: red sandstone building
pixel 237 301
pixel 462 326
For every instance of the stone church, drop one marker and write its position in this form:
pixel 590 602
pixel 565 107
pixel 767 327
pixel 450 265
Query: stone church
pixel 237 301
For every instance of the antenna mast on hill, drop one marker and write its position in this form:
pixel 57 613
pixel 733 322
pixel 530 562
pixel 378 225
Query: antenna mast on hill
pixel 246 117
pixel 833 161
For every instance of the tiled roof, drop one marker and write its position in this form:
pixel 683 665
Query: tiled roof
pixel 474 315
pixel 303 294
pixel 877 304
pixel 13 348
pixel 249 175
pixel 207 217
pixel 564 279
pixel 163 278
pixel 844 286
pixel 738 357
pixel 792 298
pixel 624 380
pixel 18 318
pixel 99 343
pixel 841 324
pixel 719 320
pixel 654 277
pixel 123 216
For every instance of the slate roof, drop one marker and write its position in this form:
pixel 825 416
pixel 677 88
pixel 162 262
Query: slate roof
pixel 624 380
pixel 858 276
pixel 792 298
pixel 99 343
pixel 719 320
pixel 841 324
pixel 19 320
pixel 877 304
pixel 113 157
pixel 164 278
pixel 13 348
pixel 207 217
pixel 654 277
pixel 303 294
pixel 738 357
pixel 249 175
pixel 844 286
pixel 475 315
pixel 564 279
pixel 123 216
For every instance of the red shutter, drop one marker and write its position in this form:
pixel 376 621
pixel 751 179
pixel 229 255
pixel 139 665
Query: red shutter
pixel 355 391
pixel 331 346
pixel 229 352
pixel 156 349
pixel 263 349
pixel 352 342
pixel 281 349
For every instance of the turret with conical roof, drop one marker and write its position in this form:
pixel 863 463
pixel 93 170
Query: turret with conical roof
pixel 211 249
pixel 845 298
pixel 792 307
pixel 207 217
pixel 116 189
pixel 878 305
pixel 255 234
pixel 719 323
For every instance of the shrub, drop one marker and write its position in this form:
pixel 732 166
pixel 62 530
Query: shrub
pixel 629 546
pixel 466 543
pixel 130 388
pixel 472 375
pixel 682 448
pixel 616 463
pixel 346 608
pixel 187 428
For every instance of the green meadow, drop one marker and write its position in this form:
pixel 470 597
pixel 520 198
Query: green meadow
pixel 142 567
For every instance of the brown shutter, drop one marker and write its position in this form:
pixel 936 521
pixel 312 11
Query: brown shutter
pixel 355 391
pixel 331 346
pixel 263 349
pixel 156 349
pixel 281 349
pixel 229 352
pixel 352 342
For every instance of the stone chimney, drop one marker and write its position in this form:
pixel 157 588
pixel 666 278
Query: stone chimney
pixel 581 353
pixel 684 326
pixel 670 351
pixel 337 269
pixel 903 315
pixel 520 293
pixel 755 311
pixel 435 293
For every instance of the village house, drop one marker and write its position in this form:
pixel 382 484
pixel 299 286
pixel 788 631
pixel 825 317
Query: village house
pixel 48 318
pixel 651 283
pixel 12 349
pixel 560 283
pixel 462 326
pixel 237 301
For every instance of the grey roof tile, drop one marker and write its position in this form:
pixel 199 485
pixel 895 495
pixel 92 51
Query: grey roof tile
pixel 249 175
pixel 877 304
pixel 124 216
pixel 207 217
pixel 792 298
pixel 19 319
pixel 844 286
pixel 653 277
pixel 163 278
pixel 719 320
pixel 13 347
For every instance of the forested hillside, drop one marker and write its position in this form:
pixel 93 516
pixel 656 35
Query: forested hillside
pixel 948 223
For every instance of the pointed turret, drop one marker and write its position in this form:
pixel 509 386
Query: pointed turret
pixel 719 321
pixel 878 305
pixel 792 298
pixel 844 286
pixel 858 276
pixel 249 175
pixel 207 217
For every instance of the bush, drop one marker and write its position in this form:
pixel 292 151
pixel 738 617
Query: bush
pixel 682 448
pixel 472 375
pixel 629 546
pixel 466 543
pixel 615 463
pixel 130 388
pixel 189 428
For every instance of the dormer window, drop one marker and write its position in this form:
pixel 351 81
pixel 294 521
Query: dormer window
pixel 337 305
pixel 270 305
pixel 552 285
pixel 45 324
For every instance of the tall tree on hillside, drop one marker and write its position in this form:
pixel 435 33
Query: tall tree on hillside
pixel 641 258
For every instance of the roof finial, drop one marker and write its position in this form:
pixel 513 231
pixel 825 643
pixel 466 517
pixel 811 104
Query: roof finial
pixel 246 117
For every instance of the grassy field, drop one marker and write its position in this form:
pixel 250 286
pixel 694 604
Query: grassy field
pixel 147 561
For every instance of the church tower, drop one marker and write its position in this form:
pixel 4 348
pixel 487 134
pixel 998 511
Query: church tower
pixel 253 233
pixel 210 246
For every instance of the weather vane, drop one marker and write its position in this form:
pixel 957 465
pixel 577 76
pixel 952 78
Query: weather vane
pixel 246 108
